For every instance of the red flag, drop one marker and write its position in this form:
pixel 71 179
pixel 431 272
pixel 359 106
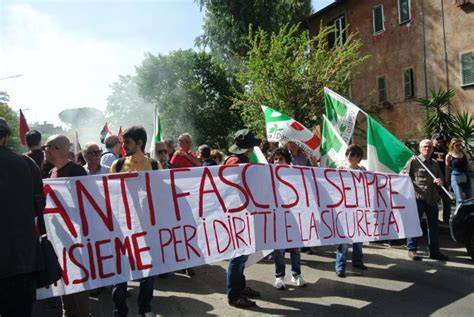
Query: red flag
pixel 23 128
pixel 104 132
pixel 120 137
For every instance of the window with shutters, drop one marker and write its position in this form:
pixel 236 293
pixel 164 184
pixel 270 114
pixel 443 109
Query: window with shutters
pixel 382 90
pixel 338 37
pixel 467 69
pixel 404 11
pixel 408 83
pixel 378 19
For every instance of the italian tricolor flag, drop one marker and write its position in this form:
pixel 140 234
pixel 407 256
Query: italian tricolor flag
pixel 385 153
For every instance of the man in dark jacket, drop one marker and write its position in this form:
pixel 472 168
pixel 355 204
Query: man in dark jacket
pixel 20 193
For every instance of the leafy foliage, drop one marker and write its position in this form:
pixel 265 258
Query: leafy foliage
pixel 194 94
pixel 227 23
pixel 438 119
pixel 125 107
pixel 287 71
pixel 463 128
pixel 12 118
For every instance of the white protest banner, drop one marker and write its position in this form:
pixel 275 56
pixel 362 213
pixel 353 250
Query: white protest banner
pixel 118 227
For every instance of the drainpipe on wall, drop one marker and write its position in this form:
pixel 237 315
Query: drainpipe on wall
pixel 445 52
pixel 424 51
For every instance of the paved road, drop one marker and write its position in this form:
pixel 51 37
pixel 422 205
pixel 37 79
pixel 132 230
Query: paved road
pixel 393 286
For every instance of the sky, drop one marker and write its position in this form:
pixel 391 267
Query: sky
pixel 69 52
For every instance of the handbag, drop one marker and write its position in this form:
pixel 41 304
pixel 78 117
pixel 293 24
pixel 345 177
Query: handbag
pixel 51 271
pixel 460 179
pixel 50 268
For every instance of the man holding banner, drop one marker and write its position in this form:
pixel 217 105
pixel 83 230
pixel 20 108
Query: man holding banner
pixel 237 291
pixel 134 144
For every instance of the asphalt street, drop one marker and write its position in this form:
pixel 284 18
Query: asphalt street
pixel 392 286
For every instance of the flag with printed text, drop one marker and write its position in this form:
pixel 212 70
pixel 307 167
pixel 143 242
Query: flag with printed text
pixel 281 127
pixel 341 113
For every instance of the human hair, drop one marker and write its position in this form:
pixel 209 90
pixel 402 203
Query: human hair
pixel 184 136
pixel 87 146
pixel 281 152
pixel 111 141
pixel 356 149
pixel 169 142
pixel 33 138
pixel 216 154
pixel 205 151
pixel 451 146
pixel 136 133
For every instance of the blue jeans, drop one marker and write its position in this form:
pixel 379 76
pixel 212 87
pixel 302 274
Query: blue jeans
pixel 119 297
pixel 341 255
pixel 431 212
pixel 279 257
pixel 235 277
pixel 458 189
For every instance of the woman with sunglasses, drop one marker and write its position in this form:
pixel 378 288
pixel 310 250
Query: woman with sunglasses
pixel 458 164
pixel 354 154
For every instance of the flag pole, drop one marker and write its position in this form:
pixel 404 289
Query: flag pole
pixel 432 175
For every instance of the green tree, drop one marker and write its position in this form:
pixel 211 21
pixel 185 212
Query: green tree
pixel 227 23
pixel 4 97
pixel 194 94
pixel 438 119
pixel 125 107
pixel 287 71
pixel 12 118
pixel 463 128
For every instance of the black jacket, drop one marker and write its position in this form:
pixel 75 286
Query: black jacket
pixel 20 180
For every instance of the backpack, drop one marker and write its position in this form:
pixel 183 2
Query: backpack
pixel 121 161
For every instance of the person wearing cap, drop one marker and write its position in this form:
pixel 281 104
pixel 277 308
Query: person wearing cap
pixel 439 155
pixel 237 291
pixel 21 194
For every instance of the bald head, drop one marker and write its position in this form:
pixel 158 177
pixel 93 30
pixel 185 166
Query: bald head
pixel 57 148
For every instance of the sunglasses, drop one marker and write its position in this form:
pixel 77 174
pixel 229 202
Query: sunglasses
pixel 161 152
pixel 95 153
pixel 458 145
pixel 351 154
pixel 45 147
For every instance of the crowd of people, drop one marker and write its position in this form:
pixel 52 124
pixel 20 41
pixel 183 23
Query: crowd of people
pixel 54 159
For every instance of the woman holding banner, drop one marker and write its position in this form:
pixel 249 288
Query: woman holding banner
pixel 354 154
pixel 283 156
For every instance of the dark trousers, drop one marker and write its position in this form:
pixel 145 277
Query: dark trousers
pixel 17 295
pixel 431 212
pixel 145 296
pixel 235 277
pixel 446 206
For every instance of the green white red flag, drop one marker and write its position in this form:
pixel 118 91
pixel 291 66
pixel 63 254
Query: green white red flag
pixel 157 133
pixel 385 153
